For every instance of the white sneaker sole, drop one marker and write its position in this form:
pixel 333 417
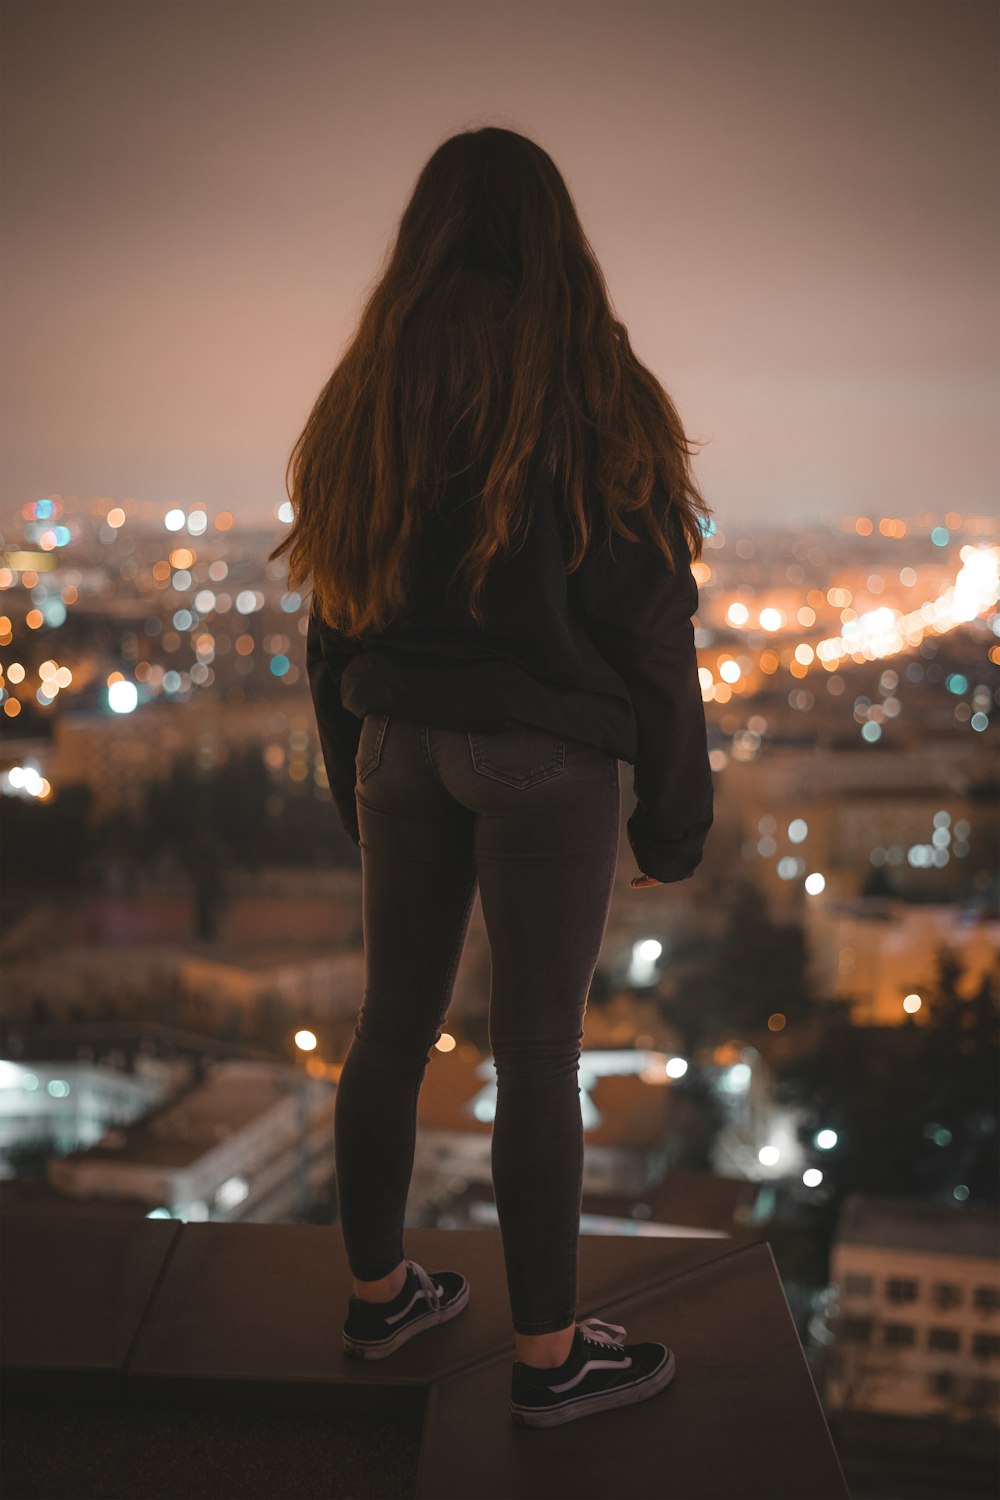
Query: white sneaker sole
pixel 583 1406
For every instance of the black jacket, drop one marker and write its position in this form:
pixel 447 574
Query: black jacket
pixel 605 655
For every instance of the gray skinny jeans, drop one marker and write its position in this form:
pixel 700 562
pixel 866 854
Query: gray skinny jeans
pixel 533 818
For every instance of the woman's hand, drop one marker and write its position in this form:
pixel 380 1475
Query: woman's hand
pixel 638 881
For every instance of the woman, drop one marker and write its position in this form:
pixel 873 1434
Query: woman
pixel 494 506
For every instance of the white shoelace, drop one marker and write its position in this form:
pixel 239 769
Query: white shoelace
pixel 594 1336
pixel 432 1292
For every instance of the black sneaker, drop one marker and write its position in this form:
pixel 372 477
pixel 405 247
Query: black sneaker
pixel 374 1329
pixel 599 1374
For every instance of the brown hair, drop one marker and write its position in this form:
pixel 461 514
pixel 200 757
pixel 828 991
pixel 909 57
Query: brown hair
pixel 488 344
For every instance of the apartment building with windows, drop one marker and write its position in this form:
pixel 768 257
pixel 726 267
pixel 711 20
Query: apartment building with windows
pixel 915 1309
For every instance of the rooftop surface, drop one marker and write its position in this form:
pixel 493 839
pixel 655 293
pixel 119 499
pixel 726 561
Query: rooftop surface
pixel 130 1328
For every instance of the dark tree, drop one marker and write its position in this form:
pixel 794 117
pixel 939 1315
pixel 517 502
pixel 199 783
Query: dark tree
pixel 914 1106
pixel 858 1081
pixel 961 1079
pixel 48 842
pixel 756 970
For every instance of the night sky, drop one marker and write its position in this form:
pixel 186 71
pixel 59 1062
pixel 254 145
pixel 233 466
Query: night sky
pixel 795 206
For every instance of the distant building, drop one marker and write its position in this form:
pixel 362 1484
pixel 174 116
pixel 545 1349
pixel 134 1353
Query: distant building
pixel 307 978
pixel 757 1141
pixel 634 1129
pixel 688 1200
pixel 924 816
pixel 916 1288
pixel 63 1106
pixel 254 1142
pixel 119 755
pixel 873 953
pixel 75 981
pixel 688 1204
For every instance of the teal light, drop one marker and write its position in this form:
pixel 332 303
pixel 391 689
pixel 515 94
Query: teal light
pixel 940 536
pixel 53 612
pixel 280 665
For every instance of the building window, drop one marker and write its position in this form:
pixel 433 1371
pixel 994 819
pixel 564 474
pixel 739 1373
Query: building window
pixel 858 1286
pixel 901 1291
pixel 941 1383
pixel 984 1391
pixel 858 1330
pixel 899 1335
pixel 987 1298
pixel 986 1345
pixel 943 1338
pixel 946 1294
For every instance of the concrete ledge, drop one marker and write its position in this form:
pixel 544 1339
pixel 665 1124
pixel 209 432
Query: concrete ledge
pixel 740 1419
pixel 73 1296
pixel 149 1314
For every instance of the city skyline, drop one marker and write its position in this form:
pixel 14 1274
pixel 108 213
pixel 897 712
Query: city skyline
pixel 794 207
pixel 786 1013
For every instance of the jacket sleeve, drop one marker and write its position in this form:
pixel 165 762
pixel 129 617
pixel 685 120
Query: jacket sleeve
pixel 639 616
pixel 327 654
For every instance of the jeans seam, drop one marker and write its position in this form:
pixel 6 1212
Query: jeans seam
pixel 425 746
pixel 374 760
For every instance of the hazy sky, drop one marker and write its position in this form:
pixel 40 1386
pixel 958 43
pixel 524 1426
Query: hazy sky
pixel 795 204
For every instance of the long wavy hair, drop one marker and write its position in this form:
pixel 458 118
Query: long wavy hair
pixel 488 347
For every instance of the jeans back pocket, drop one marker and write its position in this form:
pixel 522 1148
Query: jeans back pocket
pixel 520 756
